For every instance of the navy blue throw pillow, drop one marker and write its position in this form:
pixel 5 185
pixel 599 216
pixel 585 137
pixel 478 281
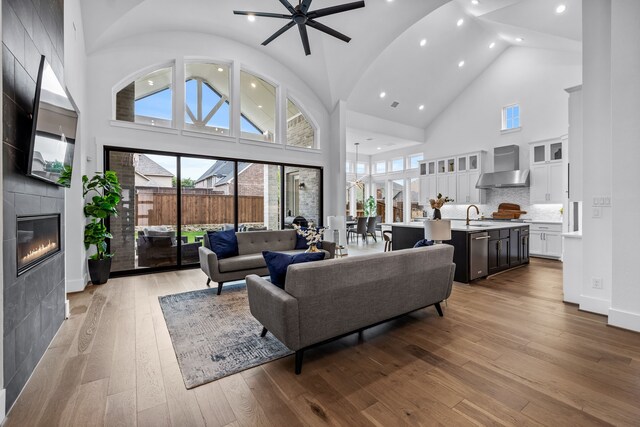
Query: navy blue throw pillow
pixel 277 263
pixel 423 242
pixel 224 243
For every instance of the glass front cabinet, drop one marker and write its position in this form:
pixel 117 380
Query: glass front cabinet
pixel 456 178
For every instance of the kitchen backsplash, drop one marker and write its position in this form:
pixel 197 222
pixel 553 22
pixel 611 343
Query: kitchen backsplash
pixel 495 196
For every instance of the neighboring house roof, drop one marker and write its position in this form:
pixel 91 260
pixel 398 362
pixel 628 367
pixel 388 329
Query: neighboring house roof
pixel 224 170
pixel 148 167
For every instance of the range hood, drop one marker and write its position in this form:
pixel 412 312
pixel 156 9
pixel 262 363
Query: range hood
pixel 506 164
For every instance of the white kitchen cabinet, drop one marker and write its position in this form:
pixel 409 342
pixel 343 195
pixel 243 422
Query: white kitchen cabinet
pixel 467 191
pixel 547 172
pixel 447 185
pixel 428 188
pixel 545 240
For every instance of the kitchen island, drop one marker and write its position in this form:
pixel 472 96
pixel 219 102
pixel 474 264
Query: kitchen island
pixel 481 248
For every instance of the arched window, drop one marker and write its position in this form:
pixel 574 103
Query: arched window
pixel 300 132
pixel 147 100
pixel 207 98
pixel 257 108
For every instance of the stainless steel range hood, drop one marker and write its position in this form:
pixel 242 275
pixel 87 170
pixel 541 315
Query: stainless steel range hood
pixel 506 164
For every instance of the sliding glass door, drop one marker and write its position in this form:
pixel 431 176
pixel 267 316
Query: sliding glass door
pixel 170 201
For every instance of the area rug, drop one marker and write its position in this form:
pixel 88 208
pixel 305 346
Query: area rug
pixel 215 335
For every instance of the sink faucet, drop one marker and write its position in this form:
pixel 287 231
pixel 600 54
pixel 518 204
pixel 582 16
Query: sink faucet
pixel 477 211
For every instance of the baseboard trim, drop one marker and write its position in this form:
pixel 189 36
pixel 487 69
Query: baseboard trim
pixel 594 305
pixel 76 285
pixel 624 319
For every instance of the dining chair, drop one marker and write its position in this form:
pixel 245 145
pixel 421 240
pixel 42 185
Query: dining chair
pixel 360 229
pixel 386 236
pixel 371 228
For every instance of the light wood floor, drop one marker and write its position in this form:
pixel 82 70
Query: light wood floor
pixel 507 352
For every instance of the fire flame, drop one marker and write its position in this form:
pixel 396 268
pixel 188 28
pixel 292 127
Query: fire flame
pixel 38 251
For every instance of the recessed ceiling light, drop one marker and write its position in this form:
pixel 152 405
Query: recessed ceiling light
pixel 389 1
pixel 253 85
pixel 492 45
pixel 259 106
pixel 562 8
pixel 220 69
pixel 379 148
pixel 519 39
pixel 383 94
pixel 150 82
pixel 421 107
pixel 460 64
pixel 460 22
pixel 475 2
pixel 423 42
pixel 251 18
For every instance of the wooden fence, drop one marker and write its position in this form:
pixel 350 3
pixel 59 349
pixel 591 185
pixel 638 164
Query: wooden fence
pixel 161 209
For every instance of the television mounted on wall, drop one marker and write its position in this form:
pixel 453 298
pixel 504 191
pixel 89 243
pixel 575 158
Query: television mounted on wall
pixel 53 132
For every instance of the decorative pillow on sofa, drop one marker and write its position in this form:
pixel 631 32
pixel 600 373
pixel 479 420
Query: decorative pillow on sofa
pixel 277 263
pixel 423 242
pixel 223 243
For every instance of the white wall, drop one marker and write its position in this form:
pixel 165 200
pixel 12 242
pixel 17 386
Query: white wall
pixel 597 168
pixel 75 63
pixel 533 78
pixel 625 97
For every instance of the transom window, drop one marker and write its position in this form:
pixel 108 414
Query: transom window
pixel 381 167
pixel 207 98
pixel 397 165
pixel 147 100
pixel 257 108
pixel 511 117
pixel 300 132
pixel 414 160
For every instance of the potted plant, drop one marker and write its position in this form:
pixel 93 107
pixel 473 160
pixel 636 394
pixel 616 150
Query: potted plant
pixel 437 204
pixel 104 193
pixel 370 207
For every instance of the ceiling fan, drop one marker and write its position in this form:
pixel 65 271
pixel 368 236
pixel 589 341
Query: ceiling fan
pixel 301 16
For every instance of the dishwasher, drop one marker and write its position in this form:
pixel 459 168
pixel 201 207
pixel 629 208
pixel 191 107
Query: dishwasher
pixel 479 255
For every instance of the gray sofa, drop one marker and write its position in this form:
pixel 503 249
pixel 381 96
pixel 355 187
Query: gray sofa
pixel 250 260
pixel 324 300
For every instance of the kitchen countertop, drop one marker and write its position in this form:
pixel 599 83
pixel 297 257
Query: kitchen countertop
pixel 459 225
pixel 573 235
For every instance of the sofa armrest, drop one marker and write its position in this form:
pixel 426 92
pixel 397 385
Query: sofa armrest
pixel 329 247
pixel 208 262
pixel 275 309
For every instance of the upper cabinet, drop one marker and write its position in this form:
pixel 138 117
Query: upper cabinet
pixel 547 171
pixel 453 176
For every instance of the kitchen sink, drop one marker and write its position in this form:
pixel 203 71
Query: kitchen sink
pixel 478 225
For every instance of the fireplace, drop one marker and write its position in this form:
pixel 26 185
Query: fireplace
pixel 38 239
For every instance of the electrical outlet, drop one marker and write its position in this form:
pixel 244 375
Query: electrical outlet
pixel 597 282
pixel 597 212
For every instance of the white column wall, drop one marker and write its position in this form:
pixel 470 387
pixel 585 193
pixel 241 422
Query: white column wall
pixel 625 95
pixel 597 172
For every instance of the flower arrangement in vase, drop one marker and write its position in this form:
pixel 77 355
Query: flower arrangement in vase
pixel 312 235
pixel 437 204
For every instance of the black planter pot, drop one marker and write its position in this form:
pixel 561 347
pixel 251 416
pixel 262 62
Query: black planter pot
pixel 99 270
pixel 436 214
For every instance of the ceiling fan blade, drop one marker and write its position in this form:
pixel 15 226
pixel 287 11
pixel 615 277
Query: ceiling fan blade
pixel 286 4
pixel 305 38
pixel 321 27
pixel 304 7
pixel 335 9
pixel 262 14
pixel 278 33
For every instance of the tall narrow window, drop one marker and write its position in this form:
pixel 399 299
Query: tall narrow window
pixel 147 100
pixel 511 117
pixel 257 108
pixel 207 98
pixel 300 132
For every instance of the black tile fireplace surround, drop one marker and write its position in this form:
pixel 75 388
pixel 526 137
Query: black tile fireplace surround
pixel 38 238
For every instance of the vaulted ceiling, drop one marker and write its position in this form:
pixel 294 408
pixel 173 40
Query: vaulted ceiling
pixel 384 54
